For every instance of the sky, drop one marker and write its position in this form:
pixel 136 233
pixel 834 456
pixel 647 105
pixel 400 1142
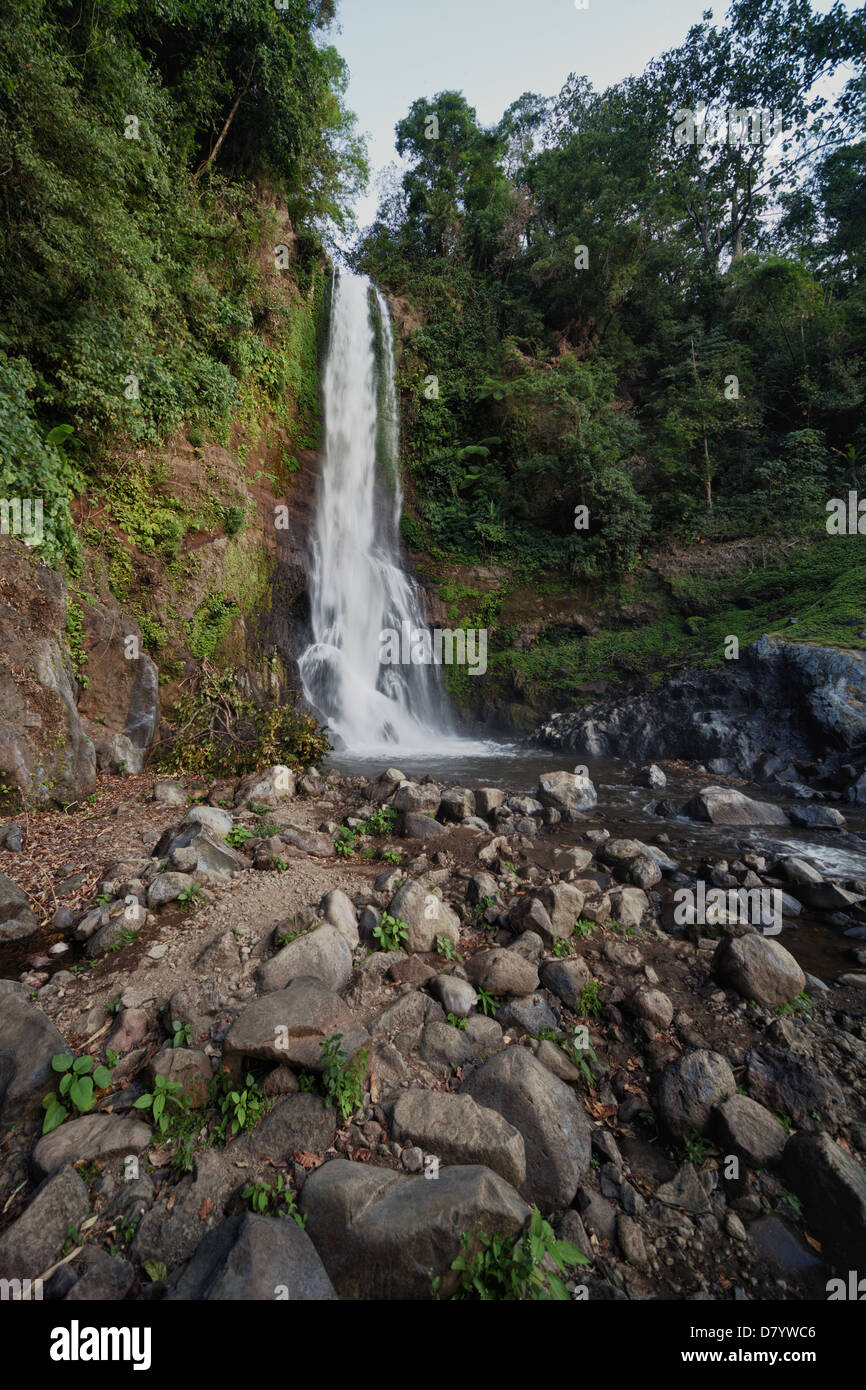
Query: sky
pixel 492 51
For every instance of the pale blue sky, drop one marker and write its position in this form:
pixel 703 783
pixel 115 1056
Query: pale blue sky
pixel 493 51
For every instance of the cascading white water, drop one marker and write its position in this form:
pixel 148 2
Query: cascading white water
pixel 358 585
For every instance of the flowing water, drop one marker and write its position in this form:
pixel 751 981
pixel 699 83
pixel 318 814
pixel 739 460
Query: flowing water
pixel 382 714
pixel 359 587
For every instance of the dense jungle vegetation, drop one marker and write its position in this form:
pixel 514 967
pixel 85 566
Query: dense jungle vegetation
pixel 143 144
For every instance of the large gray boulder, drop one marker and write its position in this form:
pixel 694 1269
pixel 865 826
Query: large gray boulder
pixel 727 806
pixel 17 919
pixel 425 915
pixel 96 1135
pixel 383 1235
pixel 291 1024
pixel 324 954
pixel 556 1132
pixel 28 1041
pixel 502 972
pixel 567 792
pixel 459 1131
pixel 759 968
pixel 832 1188
pixel 745 1128
pixel 255 1257
pixel 32 1243
pixel 689 1089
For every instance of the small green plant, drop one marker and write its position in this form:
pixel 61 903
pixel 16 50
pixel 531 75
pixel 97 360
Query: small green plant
pixel 344 842
pixel 238 836
pixel 508 866
pixel 164 1093
pixel 343 1081
pixel 308 1082
pixel 381 822
pixel 103 899
pixel 391 933
pixel 445 947
pixel 800 1005
pixel 785 1121
pixel 190 897
pixel 696 1147
pixel 456 1022
pixel 515 1268
pixel 79 1082
pixel 181 1034
pixel 562 946
pixel 125 938
pixel 486 1003
pixel 242 1109
pixel 278 866
pixel 589 1004
pixel 266 829
pixel 793 1202
pixel 263 1197
pixel 391 856
pixel 111 1058
pixel 114 1005
pixel 155 1270
pixel 87 1171
pixel 285 938
pixel 583 927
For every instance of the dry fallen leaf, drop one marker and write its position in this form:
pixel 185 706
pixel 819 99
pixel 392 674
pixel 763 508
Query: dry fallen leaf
pixel 307 1160
pixel 205 1209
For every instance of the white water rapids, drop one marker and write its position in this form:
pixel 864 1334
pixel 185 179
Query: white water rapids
pixel 358 586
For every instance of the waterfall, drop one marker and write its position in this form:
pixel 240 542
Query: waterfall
pixel 359 588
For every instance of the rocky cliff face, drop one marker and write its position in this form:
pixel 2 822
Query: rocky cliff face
pixel 780 704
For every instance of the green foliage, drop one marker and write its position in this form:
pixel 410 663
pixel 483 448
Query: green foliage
pixel 80 1080
pixel 589 1004
pixel 486 1003
pixel 445 947
pixel 241 1109
pixel 392 933
pixel 381 822
pixel 456 1021
pixel 190 897
pixel 345 842
pixel 217 732
pixel 343 1080
pixel 163 1095
pixel 265 1197
pixel 526 1267
pixel 181 1034
pixel 238 836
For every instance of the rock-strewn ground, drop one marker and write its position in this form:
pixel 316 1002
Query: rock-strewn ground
pixel 682 1102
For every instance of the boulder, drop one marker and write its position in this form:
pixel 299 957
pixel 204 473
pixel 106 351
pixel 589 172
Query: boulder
pixel 832 1188
pixel 502 972
pixel 324 954
pixel 759 968
pixel 569 793
pixel 745 1128
pixel 338 909
pixel 255 1258
pixel 417 798
pixel 28 1041
pixel 555 1130
pixel 690 1087
pixel 567 979
pixel 96 1135
pixel 425 915
pixel 457 804
pixel 269 786
pixel 291 1024
pixel 458 1130
pixel 726 806
pixel 384 1235
pixel 35 1241
pixel 564 904
pixel 17 919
